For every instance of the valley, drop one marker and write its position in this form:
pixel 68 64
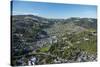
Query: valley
pixel 51 41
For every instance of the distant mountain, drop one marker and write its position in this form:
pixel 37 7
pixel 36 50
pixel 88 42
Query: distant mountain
pixel 84 22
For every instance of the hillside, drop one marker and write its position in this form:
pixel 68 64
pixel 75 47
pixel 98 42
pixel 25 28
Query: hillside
pixel 53 41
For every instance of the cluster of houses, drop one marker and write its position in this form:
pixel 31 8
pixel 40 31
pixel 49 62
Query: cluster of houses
pixel 49 40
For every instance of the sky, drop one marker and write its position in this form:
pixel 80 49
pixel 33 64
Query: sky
pixel 53 10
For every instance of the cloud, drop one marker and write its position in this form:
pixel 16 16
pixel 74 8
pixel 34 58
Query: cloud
pixel 23 13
